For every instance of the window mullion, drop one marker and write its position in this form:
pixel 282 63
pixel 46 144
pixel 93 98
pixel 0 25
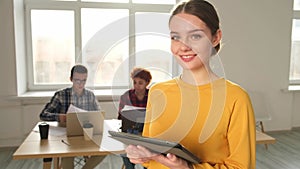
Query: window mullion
pixel 132 45
pixel 30 71
pixel 78 31
pixel 296 14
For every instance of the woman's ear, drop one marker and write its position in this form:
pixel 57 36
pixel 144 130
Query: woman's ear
pixel 217 38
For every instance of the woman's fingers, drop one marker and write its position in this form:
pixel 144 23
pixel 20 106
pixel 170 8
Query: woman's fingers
pixel 139 154
pixel 132 151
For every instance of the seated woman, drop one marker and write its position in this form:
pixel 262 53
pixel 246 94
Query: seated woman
pixel 137 97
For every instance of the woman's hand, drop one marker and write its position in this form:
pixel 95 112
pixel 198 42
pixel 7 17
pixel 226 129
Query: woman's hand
pixel 139 155
pixel 172 161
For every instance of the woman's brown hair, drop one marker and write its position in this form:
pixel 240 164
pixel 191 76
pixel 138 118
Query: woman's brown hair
pixel 141 73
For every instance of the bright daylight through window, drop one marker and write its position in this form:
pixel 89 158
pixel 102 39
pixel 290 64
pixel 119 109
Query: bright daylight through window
pixel 62 33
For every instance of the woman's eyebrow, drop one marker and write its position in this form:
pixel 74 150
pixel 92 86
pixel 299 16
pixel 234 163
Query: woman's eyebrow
pixel 196 30
pixel 191 31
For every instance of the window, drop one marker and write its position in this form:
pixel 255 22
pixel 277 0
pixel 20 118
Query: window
pixel 52 46
pixel 110 37
pixel 295 49
pixel 296 5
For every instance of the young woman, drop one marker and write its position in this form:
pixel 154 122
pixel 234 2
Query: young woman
pixel 137 97
pixel 209 115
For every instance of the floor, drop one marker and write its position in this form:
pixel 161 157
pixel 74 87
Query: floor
pixel 6 161
pixel 284 154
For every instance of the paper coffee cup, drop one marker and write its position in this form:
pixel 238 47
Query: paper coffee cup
pixel 88 130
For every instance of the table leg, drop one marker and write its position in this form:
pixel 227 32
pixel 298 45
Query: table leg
pixel 56 163
pixel 263 130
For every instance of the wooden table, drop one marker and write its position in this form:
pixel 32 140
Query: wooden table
pixel 54 147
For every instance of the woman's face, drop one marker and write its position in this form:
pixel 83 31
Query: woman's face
pixel 139 84
pixel 191 41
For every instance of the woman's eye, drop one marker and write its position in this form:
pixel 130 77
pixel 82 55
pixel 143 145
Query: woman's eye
pixel 196 37
pixel 175 37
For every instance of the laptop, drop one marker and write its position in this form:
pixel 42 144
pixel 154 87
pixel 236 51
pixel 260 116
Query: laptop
pixel 75 121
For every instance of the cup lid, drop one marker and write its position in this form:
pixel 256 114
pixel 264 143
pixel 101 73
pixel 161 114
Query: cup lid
pixel 87 125
pixel 43 124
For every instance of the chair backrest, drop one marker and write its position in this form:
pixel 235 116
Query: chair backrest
pixel 260 106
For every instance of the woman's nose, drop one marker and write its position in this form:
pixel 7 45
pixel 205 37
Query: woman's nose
pixel 184 46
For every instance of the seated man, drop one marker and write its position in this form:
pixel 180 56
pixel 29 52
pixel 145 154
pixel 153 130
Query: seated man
pixel 80 97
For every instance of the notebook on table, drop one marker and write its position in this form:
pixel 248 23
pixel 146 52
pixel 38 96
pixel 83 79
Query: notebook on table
pixel 156 145
pixel 75 121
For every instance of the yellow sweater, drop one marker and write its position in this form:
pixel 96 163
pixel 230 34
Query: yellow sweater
pixel 214 121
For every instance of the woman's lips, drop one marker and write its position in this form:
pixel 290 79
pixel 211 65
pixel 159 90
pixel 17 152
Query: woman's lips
pixel 187 58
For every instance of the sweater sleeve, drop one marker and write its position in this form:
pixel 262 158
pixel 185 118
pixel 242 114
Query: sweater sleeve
pixel 241 138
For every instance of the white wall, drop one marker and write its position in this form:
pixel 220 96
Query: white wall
pixel 255 54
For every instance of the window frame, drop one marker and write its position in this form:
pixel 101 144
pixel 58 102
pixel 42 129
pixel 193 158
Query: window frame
pixel 76 7
pixel 296 15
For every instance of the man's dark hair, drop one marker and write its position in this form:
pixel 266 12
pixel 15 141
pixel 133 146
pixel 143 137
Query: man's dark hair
pixel 78 69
